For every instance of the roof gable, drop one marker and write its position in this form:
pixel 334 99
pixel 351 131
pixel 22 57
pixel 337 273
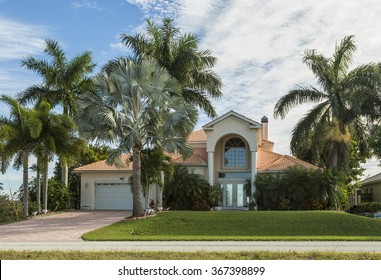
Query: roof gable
pixel 252 123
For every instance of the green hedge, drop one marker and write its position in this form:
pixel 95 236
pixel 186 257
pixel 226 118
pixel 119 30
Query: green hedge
pixel 298 189
pixel 369 207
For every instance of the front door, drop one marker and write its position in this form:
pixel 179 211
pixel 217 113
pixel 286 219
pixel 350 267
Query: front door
pixel 234 195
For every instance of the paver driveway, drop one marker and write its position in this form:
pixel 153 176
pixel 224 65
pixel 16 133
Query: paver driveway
pixel 68 226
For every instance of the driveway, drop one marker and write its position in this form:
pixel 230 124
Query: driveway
pixel 67 226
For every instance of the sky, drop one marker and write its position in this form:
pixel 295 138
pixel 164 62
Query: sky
pixel 259 45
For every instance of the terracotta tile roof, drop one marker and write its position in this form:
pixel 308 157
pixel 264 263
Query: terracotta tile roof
pixel 199 157
pixel 197 136
pixel 265 157
pixel 270 161
pixel 103 166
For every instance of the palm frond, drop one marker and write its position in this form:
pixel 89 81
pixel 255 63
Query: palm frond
pixel 321 67
pixel 342 56
pixel 297 97
pixel 307 124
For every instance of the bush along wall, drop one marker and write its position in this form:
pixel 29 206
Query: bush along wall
pixel 369 207
pixel 188 191
pixel 298 189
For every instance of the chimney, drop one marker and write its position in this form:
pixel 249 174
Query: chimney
pixel 265 128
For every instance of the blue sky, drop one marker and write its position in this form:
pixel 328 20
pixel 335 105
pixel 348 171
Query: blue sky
pixel 259 44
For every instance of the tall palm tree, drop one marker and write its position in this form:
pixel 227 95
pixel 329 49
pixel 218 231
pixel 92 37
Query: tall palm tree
pixel 136 104
pixel 63 81
pixel 343 99
pixel 18 137
pixel 180 55
pixel 56 138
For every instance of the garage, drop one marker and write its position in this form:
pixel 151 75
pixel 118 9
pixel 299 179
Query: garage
pixel 113 196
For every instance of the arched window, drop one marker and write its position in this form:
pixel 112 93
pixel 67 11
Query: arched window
pixel 235 153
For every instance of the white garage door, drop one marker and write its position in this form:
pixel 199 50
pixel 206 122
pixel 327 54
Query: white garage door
pixel 113 196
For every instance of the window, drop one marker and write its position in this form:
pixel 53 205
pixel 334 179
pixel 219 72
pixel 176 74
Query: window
pixel 235 153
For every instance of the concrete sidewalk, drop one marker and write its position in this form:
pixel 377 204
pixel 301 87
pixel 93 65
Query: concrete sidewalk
pixel 67 226
pixel 194 246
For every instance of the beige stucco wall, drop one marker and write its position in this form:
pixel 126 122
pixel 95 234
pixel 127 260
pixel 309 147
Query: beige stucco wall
pixel 202 170
pixel 232 125
pixel 88 181
pixel 376 190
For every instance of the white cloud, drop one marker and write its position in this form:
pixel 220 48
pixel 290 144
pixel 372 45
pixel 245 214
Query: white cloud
pixel 156 9
pixel 19 39
pixel 93 5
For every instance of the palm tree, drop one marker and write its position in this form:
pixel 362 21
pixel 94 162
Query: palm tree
pixel 136 104
pixel 179 54
pixel 343 99
pixel 63 81
pixel 18 137
pixel 56 138
pixel 154 164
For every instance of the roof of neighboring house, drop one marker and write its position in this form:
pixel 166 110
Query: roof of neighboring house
pixel 103 166
pixel 374 179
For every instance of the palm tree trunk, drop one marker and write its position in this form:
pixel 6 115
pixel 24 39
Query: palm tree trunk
pixel 333 156
pixel 137 209
pixel 38 184
pixel 25 156
pixel 45 187
pixel 65 174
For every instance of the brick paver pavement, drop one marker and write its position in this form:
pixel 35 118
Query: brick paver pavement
pixel 67 226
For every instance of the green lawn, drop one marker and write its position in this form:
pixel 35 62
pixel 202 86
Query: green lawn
pixel 243 225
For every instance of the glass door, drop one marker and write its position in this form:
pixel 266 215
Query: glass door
pixel 234 195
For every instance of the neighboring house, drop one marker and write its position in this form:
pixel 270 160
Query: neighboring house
pixel 228 151
pixel 370 190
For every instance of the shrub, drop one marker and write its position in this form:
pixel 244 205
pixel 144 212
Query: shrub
pixel 369 207
pixel 298 189
pixel 188 191
pixel 201 205
pixel 10 210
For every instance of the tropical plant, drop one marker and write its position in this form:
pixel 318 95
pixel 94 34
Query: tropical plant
pixel 154 164
pixel 299 189
pixel 136 104
pixel 180 55
pixel 11 210
pixel 184 190
pixel 56 138
pixel 63 81
pixel 18 137
pixel 344 98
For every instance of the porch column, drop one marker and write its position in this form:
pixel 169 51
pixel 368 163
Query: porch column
pixel 211 167
pixel 253 172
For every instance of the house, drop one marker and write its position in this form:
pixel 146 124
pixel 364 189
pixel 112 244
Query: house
pixel 228 150
pixel 370 190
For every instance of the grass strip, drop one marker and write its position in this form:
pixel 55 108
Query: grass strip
pixel 124 255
